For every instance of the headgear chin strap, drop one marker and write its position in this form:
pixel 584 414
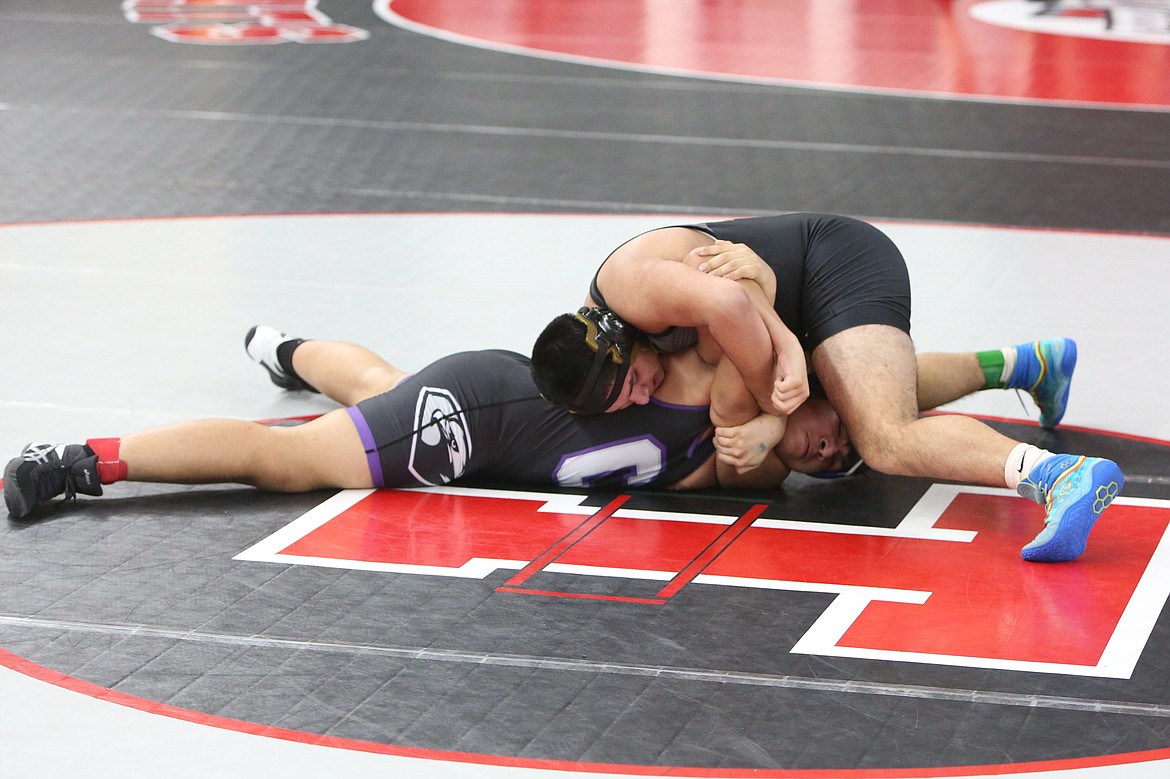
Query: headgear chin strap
pixel 612 341
pixel 852 464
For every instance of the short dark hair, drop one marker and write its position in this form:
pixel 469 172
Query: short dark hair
pixel 561 359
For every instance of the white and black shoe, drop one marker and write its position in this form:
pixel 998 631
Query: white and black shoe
pixel 44 471
pixel 263 345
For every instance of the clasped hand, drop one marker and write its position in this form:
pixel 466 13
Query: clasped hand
pixel 746 446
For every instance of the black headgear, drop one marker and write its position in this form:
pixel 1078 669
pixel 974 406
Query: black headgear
pixel 612 341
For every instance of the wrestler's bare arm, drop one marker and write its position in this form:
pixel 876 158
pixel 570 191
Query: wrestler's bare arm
pixel 646 282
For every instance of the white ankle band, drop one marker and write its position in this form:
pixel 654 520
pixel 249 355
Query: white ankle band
pixel 1021 461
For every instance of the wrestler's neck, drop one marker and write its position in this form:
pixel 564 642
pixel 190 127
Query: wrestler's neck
pixel 688 379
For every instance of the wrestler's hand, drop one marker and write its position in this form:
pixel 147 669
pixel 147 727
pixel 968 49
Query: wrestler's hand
pixel 791 385
pixel 736 262
pixel 746 446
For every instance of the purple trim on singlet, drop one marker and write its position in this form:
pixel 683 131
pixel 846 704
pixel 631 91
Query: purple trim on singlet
pixel 373 461
pixel 679 406
pixel 700 439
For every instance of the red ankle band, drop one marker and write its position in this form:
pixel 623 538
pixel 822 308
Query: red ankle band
pixel 110 468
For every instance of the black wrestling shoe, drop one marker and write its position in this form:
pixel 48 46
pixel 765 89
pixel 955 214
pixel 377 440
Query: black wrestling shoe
pixel 262 343
pixel 44 471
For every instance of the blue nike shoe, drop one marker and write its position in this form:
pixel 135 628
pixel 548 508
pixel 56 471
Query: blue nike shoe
pixel 1045 369
pixel 1074 490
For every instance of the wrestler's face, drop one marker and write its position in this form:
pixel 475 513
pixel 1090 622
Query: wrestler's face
pixel 815 440
pixel 642 380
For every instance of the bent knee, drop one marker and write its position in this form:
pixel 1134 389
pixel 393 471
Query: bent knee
pixel 380 379
pixel 880 459
pixel 886 451
pixel 322 453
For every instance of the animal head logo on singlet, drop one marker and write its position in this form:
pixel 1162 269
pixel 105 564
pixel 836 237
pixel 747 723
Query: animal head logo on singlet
pixel 441 444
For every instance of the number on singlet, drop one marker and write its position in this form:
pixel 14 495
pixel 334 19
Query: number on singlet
pixel 638 460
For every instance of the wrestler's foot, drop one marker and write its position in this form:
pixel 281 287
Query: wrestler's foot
pixel 262 344
pixel 44 471
pixel 1074 491
pixel 1045 369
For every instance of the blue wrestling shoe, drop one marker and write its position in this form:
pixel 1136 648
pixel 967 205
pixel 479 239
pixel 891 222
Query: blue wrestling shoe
pixel 1045 369
pixel 1074 490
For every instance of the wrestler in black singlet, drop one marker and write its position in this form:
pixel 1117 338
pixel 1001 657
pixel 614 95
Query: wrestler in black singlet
pixel 832 273
pixel 478 414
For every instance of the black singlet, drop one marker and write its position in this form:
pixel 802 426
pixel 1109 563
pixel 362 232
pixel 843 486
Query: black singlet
pixel 832 273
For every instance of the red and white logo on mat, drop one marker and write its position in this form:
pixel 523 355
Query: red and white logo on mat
pixel 1142 21
pixel 945 586
pixel 225 23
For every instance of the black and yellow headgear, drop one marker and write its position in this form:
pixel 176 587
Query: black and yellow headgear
pixel 612 341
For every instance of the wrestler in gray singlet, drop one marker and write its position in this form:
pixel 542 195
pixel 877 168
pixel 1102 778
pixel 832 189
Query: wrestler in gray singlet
pixel 478 414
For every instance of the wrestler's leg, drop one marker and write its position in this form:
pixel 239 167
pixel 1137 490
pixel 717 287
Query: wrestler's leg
pixel 344 371
pixel 870 375
pixel 325 452
pixel 1043 369
pixel 944 377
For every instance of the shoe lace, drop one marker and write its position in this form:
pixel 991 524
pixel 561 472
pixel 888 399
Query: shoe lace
pixel 46 483
pixel 1023 405
pixel 70 491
